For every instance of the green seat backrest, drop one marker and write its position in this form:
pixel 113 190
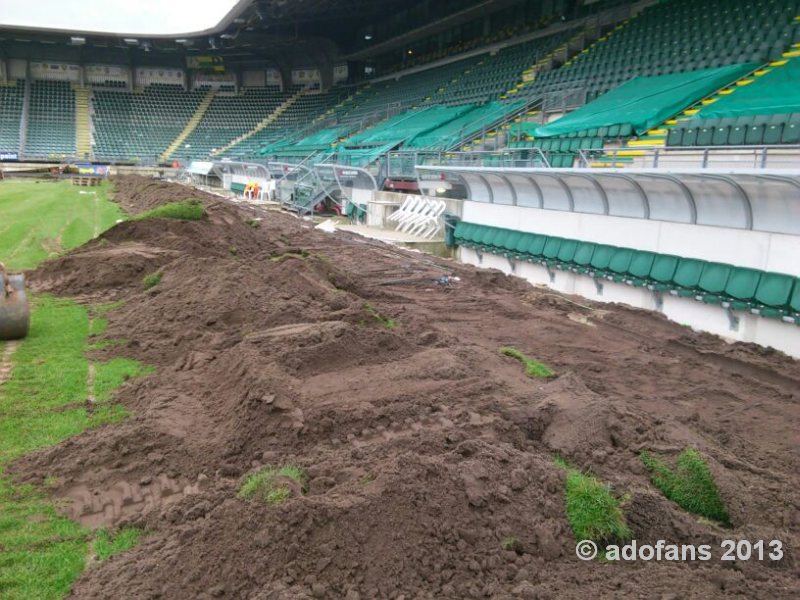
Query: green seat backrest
pixel 742 283
pixel 523 242
pixel 641 264
pixel 791 134
pixel 602 256
pixel 500 237
pixel 552 246
pixel 774 289
pixel 714 277
pixel 512 240
pixel 621 261
pixel 664 267
pixel 474 232
pixel 688 273
pixel 486 235
pixel 535 244
pixel 461 231
pixel 567 251
pixel 583 253
pixel 794 302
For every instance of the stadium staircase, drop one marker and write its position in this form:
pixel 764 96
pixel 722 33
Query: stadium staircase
pixel 83 120
pixel 191 125
pixel 264 123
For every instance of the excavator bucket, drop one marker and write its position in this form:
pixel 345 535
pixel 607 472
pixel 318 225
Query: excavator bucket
pixel 15 314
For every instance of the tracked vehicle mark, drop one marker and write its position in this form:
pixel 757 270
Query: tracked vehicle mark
pixel 125 499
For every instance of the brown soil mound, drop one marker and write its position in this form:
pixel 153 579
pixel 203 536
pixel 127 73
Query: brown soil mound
pixel 424 447
pixel 138 194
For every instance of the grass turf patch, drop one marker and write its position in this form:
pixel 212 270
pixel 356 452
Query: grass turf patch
pixel 533 368
pixel 690 485
pixel 269 484
pixel 106 545
pixel 42 404
pixel 385 321
pixel 151 280
pixel 186 210
pixel 43 220
pixel 593 512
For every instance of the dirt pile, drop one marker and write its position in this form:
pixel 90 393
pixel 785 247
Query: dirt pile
pixel 425 449
pixel 139 194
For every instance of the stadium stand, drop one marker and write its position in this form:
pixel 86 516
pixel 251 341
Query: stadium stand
pixel 139 126
pixel 230 116
pixel 494 75
pixel 679 36
pixel 51 120
pixel 636 79
pixel 288 125
pixel 12 96
pixel 673 38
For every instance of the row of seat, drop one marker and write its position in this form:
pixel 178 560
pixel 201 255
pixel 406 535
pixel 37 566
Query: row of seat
pixel 772 295
pixel 561 144
pixel 737 131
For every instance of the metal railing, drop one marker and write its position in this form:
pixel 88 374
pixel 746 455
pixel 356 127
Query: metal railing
pixel 695 157
pixel 402 164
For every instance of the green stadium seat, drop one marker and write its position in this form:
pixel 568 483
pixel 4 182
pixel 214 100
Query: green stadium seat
pixel 601 258
pixel 551 248
pixel 511 243
pixel 773 294
pixel 640 268
pixel 663 271
pixel 756 130
pixel 675 136
pixel 619 264
pixel 583 257
pixel 773 133
pixel 690 136
pixel 535 247
pixel 566 254
pixel 739 291
pixel 794 304
pixel 791 131
pixel 714 278
pixel 687 277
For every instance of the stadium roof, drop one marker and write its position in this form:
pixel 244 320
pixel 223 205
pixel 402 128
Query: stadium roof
pixel 143 17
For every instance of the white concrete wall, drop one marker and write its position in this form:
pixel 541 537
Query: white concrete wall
pixel 755 249
pixel 758 250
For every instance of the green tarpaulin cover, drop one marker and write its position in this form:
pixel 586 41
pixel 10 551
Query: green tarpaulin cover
pixel 408 125
pixel 777 92
pixel 645 102
pixel 467 124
